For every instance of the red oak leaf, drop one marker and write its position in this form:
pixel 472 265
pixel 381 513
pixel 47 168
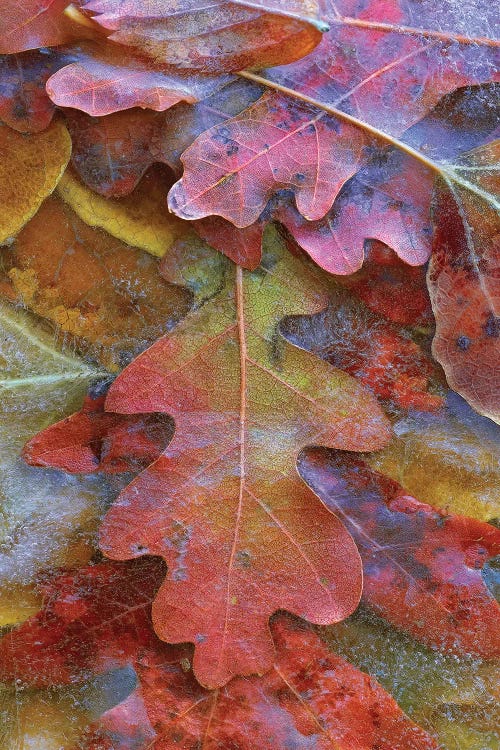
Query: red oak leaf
pixel 183 123
pixel 216 37
pixel 94 440
pixel 388 200
pixel 225 496
pixel 24 104
pixel 322 120
pixel 422 566
pixel 33 23
pixel 97 618
pixel 464 283
pixel 112 153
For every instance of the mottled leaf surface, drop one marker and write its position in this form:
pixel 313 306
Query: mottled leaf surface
pixel 30 168
pixel 329 117
pixel 225 493
pixel 422 566
pixel 215 37
pixel 94 440
pixel 48 518
pixel 464 284
pixel 93 288
pixel 310 695
pixel 32 24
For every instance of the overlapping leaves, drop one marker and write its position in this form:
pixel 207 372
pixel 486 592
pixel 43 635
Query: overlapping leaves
pixel 324 150
pixel 338 146
pixel 225 496
pixel 310 695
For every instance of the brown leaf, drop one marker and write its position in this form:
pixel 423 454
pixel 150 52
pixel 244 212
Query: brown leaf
pixel 30 168
pixel 90 286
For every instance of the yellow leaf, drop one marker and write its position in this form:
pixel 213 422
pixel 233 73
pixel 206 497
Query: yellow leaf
pixel 141 219
pixel 40 721
pixel 46 518
pixel 445 464
pixel 30 168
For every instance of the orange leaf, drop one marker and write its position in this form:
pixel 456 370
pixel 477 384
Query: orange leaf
pixel 89 285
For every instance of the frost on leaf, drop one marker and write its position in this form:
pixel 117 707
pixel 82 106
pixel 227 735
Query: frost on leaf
pixel 225 495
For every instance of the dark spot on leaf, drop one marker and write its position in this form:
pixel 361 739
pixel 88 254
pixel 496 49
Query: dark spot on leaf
pixel 463 343
pixel 492 326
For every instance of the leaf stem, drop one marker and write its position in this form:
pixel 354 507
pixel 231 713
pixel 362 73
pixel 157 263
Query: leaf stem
pixel 444 36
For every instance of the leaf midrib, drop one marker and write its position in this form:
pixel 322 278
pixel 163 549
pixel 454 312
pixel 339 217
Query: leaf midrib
pixel 439 168
pixel 72 368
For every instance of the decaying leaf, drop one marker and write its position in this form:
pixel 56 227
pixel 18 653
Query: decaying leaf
pixel 48 518
pixel 112 153
pixel 464 283
pixel 425 683
pixel 30 168
pixel 24 104
pixel 93 288
pixel 382 356
pixel 225 493
pixel 422 567
pixel 140 220
pixel 311 695
pixel 391 288
pixel 45 721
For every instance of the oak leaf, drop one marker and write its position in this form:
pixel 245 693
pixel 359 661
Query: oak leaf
pixel 24 103
pixel 97 619
pixel 330 116
pixel 225 493
pixel 216 37
pixel 111 154
pixel 103 81
pixel 94 289
pixel 464 283
pixel 32 24
pixel 422 566
pixel 94 440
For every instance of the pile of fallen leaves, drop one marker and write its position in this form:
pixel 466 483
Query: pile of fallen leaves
pixel 215 221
